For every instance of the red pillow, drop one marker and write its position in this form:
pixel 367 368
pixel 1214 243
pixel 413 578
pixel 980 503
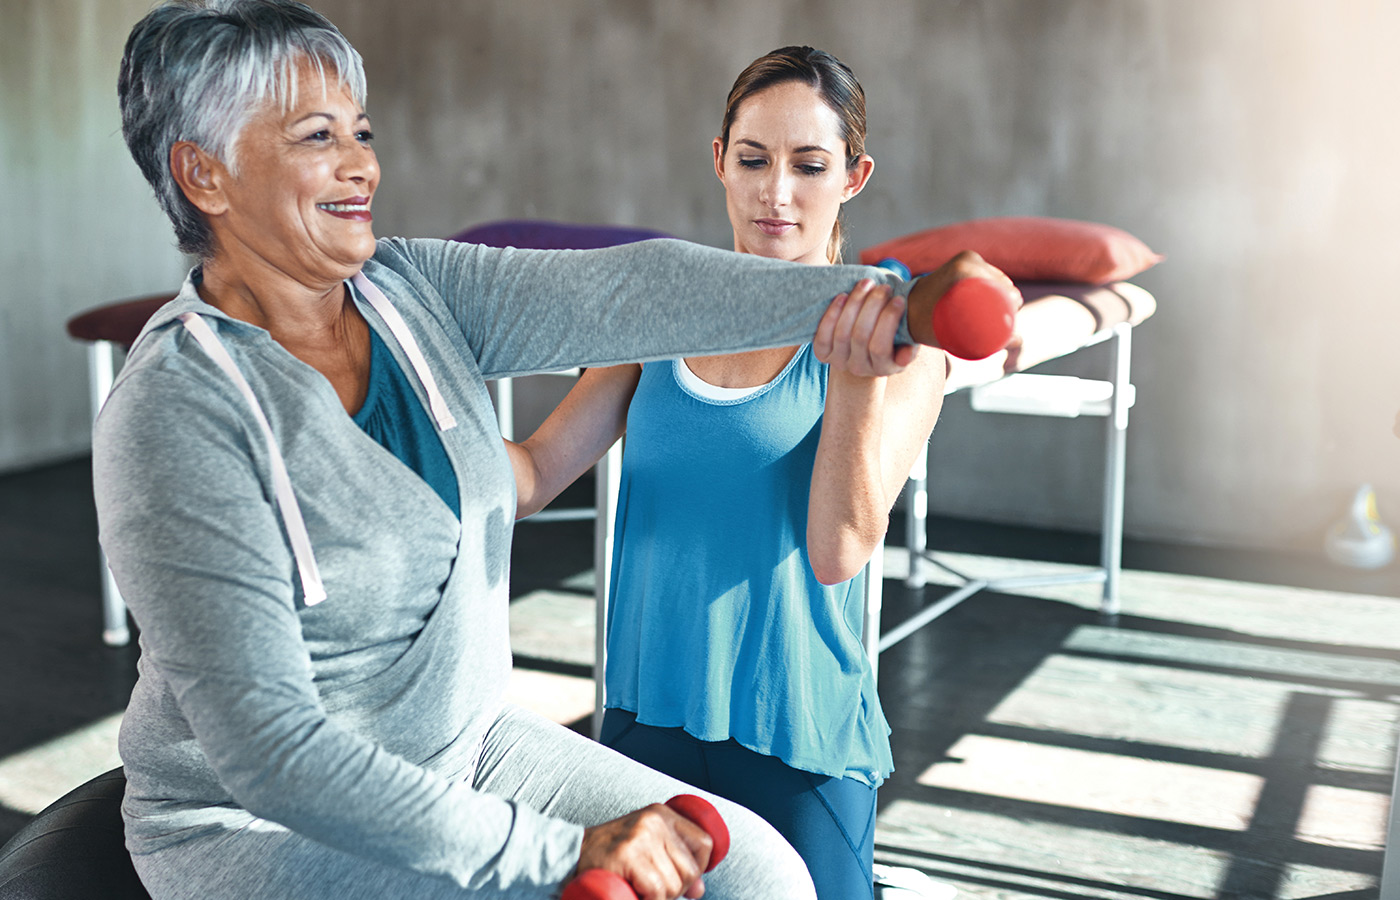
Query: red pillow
pixel 1028 247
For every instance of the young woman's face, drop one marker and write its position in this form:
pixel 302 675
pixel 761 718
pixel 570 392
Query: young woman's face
pixel 785 174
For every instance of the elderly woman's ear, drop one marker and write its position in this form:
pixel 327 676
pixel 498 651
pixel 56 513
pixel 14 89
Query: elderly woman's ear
pixel 200 177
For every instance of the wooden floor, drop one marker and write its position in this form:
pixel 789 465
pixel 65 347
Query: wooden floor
pixel 1230 735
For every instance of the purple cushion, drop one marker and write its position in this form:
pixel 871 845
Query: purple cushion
pixel 538 234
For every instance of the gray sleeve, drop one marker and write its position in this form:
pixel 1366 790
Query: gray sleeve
pixel 193 537
pixel 528 311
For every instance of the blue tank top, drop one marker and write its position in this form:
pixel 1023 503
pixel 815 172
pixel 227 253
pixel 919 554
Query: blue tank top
pixel 716 622
pixel 394 416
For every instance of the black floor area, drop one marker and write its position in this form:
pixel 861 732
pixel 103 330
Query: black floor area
pixel 1166 696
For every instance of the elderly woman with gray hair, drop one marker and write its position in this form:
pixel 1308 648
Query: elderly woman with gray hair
pixel 306 503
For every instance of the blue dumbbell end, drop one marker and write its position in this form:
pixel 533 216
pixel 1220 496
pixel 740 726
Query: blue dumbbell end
pixel 895 266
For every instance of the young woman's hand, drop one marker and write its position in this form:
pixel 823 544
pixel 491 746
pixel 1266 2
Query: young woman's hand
pixel 929 289
pixel 657 850
pixel 856 333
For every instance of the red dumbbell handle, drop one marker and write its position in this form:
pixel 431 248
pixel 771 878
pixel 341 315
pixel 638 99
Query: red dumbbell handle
pixel 974 318
pixel 601 884
pixel 598 884
pixel 702 813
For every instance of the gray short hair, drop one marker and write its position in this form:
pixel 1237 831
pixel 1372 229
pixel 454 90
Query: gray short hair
pixel 196 70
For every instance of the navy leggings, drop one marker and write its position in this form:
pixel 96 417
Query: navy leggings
pixel 829 821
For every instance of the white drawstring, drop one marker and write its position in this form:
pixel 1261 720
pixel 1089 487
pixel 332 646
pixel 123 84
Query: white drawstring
pixel 397 325
pixel 311 584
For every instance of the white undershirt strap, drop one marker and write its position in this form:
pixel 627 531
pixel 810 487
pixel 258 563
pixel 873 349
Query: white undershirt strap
pixel 311 585
pixel 702 388
pixel 399 327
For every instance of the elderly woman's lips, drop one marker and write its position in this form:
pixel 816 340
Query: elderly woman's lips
pixel 774 226
pixel 350 209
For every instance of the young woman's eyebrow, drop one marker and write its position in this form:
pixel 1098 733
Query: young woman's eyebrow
pixel 809 148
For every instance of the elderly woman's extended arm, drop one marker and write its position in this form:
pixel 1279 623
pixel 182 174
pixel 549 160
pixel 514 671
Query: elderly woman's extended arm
pixel 527 311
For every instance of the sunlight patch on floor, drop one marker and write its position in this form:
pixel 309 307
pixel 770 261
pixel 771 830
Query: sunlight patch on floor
pixel 994 856
pixel 1147 703
pixel 1302 882
pixel 1343 817
pixel 554 625
pixel 560 698
pixel 1101 782
pixel 1361 736
pixel 32 779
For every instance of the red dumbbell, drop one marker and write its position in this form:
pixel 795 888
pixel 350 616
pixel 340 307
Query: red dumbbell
pixel 601 884
pixel 974 318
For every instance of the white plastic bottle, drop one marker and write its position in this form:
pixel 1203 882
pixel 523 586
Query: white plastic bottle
pixel 1359 538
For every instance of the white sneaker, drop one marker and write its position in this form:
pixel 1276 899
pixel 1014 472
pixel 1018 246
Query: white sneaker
pixel 900 883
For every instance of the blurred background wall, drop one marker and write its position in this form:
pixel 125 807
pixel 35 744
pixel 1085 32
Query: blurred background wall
pixel 1251 141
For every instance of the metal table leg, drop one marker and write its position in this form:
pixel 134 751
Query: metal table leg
pixel 102 368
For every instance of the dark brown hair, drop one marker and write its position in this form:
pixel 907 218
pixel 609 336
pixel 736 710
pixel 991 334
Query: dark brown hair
pixel 830 78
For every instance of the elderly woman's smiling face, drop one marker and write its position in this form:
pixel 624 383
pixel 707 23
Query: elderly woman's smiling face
pixel 299 197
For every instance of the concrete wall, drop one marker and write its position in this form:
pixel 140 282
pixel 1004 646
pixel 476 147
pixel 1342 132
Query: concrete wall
pixel 78 226
pixel 1252 141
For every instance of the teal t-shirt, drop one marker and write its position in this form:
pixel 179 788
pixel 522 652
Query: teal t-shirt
pixel 393 415
pixel 716 623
